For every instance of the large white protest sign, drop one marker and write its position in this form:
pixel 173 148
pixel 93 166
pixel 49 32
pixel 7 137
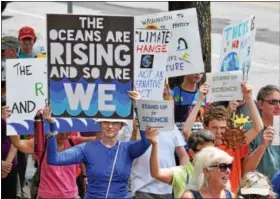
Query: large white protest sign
pixel 276 125
pixel 151 48
pixel 184 49
pixel 225 86
pixel 236 47
pixel 26 91
pixel 157 114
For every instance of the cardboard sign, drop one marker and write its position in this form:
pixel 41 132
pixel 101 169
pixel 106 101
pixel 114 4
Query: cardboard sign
pixel 27 93
pixel 276 125
pixel 90 65
pixel 156 114
pixel 225 86
pixel 151 48
pixel 237 46
pixel 184 49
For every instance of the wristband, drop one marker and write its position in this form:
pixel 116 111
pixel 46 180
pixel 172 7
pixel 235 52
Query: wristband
pixel 50 134
pixel 53 127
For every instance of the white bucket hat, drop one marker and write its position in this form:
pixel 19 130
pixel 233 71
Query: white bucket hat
pixel 111 120
pixel 254 183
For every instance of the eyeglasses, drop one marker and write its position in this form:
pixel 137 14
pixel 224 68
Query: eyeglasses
pixel 273 101
pixel 223 167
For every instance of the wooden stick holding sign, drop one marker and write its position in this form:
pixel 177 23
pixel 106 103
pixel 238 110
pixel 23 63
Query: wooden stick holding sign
pixel 276 125
pixel 156 114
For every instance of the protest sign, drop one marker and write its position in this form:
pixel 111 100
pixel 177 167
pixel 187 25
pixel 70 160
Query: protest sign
pixel 276 125
pixel 225 86
pixel 184 49
pixel 157 114
pixel 150 60
pixel 27 93
pixel 237 46
pixel 90 65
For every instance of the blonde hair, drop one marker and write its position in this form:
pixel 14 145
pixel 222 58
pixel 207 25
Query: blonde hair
pixel 205 158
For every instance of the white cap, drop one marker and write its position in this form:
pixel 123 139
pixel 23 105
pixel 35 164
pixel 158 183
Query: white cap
pixel 111 120
pixel 257 186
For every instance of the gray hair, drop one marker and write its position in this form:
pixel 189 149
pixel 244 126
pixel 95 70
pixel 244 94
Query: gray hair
pixel 267 90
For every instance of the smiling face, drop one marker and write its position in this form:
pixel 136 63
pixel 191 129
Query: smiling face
pixel 111 129
pixel 218 173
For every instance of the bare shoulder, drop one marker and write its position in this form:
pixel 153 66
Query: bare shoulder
pixel 187 195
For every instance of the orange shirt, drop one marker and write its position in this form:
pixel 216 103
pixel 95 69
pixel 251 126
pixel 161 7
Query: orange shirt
pixel 238 154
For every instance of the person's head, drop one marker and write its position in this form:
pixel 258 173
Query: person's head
pixel 27 38
pixel 9 47
pixel 194 78
pixel 212 167
pixel 269 101
pixel 199 140
pixel 255 185
pixel 215 120
pixel 110 127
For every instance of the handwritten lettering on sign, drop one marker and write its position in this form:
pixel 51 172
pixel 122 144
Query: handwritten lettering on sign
pixel 26 91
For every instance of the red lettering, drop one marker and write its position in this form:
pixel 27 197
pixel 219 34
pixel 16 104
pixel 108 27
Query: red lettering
pixel 149 48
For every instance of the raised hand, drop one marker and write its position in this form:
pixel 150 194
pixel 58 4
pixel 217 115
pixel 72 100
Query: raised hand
pixel 203 90
pixel 166 91
pixel 134 94
pixel 47 114
pixel 152 135
pixel 268 136
pixel 5 112
pixel 247 91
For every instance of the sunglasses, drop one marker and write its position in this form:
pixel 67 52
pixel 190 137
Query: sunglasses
pixel 223 167
pixel 273 101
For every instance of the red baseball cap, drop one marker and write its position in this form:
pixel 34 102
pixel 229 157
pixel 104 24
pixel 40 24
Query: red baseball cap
pixel 26 32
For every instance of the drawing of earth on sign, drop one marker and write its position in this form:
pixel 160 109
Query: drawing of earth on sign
pixel 231 62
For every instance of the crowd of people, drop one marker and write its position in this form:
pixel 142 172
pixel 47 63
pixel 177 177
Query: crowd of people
pixel 216 150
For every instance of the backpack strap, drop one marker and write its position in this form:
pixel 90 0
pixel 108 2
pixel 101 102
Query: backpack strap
pixel 228 194
pixel 196 194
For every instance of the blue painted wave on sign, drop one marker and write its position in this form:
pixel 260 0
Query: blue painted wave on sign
pixel 60 104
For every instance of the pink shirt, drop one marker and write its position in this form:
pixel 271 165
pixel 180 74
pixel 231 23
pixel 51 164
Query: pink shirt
pixel 58 181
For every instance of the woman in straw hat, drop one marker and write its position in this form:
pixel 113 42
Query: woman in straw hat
pixel 108 161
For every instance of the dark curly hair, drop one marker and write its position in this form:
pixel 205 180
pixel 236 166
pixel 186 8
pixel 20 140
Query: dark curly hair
pixel 215 113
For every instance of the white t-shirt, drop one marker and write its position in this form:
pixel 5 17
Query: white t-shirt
pixel 141 179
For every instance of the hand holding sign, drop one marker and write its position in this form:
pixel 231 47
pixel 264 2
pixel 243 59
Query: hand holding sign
pixel 203 91
pixel 134 95
pixel 247 91
pixel 152 134
pixel 47 112
pixel 268 136
pixel 5 113
pixel 166 91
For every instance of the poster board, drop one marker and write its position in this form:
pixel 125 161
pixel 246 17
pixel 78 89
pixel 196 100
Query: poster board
pixel 224 86
pixel 237 46
pixel 156 114
pixel 90 65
